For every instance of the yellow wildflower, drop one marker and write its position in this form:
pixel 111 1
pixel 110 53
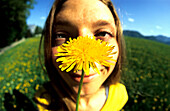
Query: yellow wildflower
pixel 153 107
pixel 8 84
pixel 26 90
pixel 6 91
pixel 14 106
pixel 137 96
pixel 10 88
pixel 31 80
pixel 9 75
pixel 135 101
pixel 141 77
pixel 37 86
pixel 1 78
pixel 4 87
pixel 137 79
pixel 143 101
pixel 18 86
pixel 83 53
pixel 155 99
pixel 13 80
pixel 17 69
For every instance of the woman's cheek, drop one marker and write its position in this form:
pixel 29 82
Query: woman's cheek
pixel 54 51
pixel 114 43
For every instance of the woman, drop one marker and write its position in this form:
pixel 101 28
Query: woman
pixel 73 18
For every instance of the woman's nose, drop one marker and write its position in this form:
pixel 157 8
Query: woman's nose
pixel 85 32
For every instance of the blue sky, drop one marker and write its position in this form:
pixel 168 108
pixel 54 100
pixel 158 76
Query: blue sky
pixel 149 17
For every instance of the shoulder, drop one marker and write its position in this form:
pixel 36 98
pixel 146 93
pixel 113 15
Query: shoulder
pixel 118 88
pixel 117 97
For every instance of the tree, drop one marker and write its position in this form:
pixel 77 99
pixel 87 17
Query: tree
pixel 38 30
pixel 13 14
pixel 28 33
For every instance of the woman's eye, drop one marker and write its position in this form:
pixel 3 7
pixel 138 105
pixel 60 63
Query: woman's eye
pixel 61 36
pixel 102 34
pixel 105 36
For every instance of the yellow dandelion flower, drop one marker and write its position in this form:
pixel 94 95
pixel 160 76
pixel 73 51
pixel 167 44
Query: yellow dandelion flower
pixel 1 78
pixel 8 84
pixel 155 99
pixel 153 107
pixel 143 101
pixel 9 75
pixel 83 53
pixel 24 85
pixel 31 80
pixel 135 101
pixel 26 90
pixel 17 69
pixel 10 88
pixel 6 91
pixel 37 86
pixel 27 70
pixel 18 86
pixel 4 87
pixel 14 106
pixel 141 77
pixel 137 96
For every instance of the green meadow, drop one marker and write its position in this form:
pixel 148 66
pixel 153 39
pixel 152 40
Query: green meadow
pixel 146 76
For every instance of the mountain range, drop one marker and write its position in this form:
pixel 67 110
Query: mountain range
pixel 159 38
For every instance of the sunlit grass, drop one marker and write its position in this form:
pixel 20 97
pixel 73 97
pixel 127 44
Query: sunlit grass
pixel 146 76
pixel 20 69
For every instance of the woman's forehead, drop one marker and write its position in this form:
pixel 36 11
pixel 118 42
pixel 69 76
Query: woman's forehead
pixel 84 11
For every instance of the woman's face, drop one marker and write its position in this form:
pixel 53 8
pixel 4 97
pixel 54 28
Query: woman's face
pixel 82 18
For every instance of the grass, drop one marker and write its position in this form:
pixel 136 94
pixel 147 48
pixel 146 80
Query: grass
pixel 20 69
pixel 146 75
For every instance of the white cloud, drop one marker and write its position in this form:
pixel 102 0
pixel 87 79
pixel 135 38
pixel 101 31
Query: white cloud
pixel 152 31
pixel 158 27
pixel 42 18
pixel 131 20
pixel 128 14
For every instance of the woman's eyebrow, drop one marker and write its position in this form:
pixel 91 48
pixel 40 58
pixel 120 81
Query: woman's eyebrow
pixel 101 23
pixel 63 22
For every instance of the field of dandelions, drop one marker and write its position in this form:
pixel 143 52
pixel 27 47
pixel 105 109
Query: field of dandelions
pixel 146 76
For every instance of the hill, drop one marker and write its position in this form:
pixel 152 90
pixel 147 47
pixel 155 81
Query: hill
pixel 159 38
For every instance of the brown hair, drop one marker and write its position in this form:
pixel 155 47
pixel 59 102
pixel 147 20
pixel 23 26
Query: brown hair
pixel 47 34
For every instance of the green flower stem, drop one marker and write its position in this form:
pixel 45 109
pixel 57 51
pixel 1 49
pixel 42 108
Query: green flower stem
pixel 79 91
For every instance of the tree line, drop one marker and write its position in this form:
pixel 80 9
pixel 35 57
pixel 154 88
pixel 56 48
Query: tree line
pixel 13 14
